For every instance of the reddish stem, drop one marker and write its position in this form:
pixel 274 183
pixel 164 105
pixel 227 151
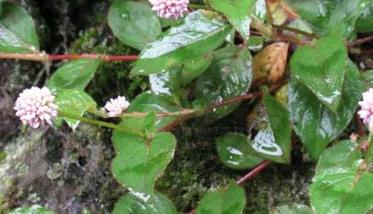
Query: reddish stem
pixel 361 41
pixel 107 58
pixel 253 172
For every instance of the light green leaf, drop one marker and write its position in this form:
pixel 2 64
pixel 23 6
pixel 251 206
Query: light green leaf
pixel 73 75
pixel 229 75
pixel 231 200
pixel 238 13
pixel 273 140
pixel 201 33
pixel 17 30
pixel 322 67
pixel 155 204
pixel 134 23
pixel 314 123
pixel 343 182
pixel 34 209
pixel 138 163
pixel 75 102
pixel 235 151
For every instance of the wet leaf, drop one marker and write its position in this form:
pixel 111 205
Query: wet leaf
pixel 134 23
pixel 17 30
pixel 270 62
pixel 229 75
pixel 321 68
pixel 76 102
pixel 314 123
pixel 273 140
pixel 157 203
pixel 149 102
pixel 73 75
pixel 138 163
pixel 342 183
pixel 238 13
pixel 231 200
pixel 235 151
pixel 292 209
pixel 34 209
pixel 365 22
pixel 201 33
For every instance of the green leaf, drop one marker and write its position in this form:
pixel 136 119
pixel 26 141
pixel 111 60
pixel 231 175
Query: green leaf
pixel 365 22
pixel 17 30
pixel 76 102
pixel 235 151
pixel 201 33
pixel 273 141
pixel 134 23
pixel 238 13
pixel 155 204
pixel 292 209
pixel 138 163
pixel 313 122
pixel 195 68
pixel 149 102
pixel 321 67
pixel 229 75
pixel 34 209
pixel 232 201
pixel 73 75
pixel 343 182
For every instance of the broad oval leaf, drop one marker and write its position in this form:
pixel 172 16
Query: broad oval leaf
pixel 292 209
pixel 134 23
pixel 201 32
pixel 229 75
pixel 316 124
pixel 231 200
pixel 75 102
pixel 238 13
pixel 139 162
pixel 17 30
pixel 34 209
pixel 235 151
pixel 73 75
pixel 156 203
pixel 149 102
pixel 322 67
pixel 343 183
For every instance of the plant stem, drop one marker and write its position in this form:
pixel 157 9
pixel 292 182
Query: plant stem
pixel 160 114
pixel 197 6
pixel 102 123
pixel 361 41
pixel 253 172
pixel 297 31
pixel 53 57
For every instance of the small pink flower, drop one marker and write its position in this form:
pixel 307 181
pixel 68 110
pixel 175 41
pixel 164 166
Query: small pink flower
pixel 170 9
pixel 35 106
pixel 366 112
pixel 117 106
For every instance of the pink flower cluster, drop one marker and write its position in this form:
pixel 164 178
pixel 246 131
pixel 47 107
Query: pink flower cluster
pixel 116 106
pixel 170 9
pixel 366 112
pixel 35 106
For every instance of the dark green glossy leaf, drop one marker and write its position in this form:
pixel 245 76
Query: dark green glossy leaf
pixel 321 67
pixel 17 30
pixel 342 183
pixel 201 32
pixel 149 102
pixel 155 204
pixel 73 75
pixel 232 201
pixel 235 151
pixel 76 102
pixel 273 140
pixel 229 75
pixel 237 12
pixel 292 209
pixel 138 163
pixel 134 23
pixel 365 22
pixel 313 122
pixel 34 209
pixel 194 68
